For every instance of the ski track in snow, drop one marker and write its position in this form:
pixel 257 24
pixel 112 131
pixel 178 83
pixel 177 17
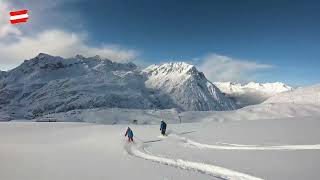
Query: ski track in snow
pixel 227 146
pixel 139 150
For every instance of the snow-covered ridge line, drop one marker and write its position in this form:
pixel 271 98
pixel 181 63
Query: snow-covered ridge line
pixel 49 84
pixel 268 88
pixel 215 171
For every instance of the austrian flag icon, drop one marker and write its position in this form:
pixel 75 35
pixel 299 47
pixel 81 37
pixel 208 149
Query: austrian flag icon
pixel 19 16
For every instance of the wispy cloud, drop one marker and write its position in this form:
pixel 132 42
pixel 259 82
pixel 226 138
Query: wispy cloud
pixel 28 42
pixel 223 68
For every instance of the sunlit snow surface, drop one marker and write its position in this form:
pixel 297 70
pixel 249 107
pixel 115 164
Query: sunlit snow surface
pixel 37 150
pixel 278 141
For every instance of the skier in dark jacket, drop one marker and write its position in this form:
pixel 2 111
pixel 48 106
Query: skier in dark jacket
pixel 129 133
pixel 163 127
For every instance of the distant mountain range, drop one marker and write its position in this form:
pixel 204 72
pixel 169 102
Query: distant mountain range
pixel 302 95
pixel 49 84
pixel 251 93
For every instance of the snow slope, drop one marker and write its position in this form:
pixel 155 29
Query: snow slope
pixel 251 93
pixel 305 95
pixel 33 150
pixel 187 87
pixel 49 84
pixel 281 142
pixel 138 116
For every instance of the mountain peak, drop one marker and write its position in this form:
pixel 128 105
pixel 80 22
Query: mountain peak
pixel 173 68
pixel 79 56
pixel 44 55
pixel 186 86
pixel 97 57
pixel 178 65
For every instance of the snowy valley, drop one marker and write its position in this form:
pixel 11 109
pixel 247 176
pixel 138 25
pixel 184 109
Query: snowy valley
pixel 68 118
pixel 159 90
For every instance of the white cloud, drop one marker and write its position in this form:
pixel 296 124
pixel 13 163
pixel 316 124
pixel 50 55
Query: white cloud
pixel 222 68
pixel 61 43
pixel 20 42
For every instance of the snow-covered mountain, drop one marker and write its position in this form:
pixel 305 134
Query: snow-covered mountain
pixel 305 95
pixel 187 87
pixel 268 88
pixel 251 93
pixel 52 84
pixel 48 84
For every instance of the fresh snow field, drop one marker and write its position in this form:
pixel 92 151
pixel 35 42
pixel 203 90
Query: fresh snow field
pixel 286 148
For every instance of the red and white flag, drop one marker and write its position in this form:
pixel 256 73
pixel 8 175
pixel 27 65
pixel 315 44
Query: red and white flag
pixel 19 16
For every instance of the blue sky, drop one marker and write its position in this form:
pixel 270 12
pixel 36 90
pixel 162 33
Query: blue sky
pixel 267 40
